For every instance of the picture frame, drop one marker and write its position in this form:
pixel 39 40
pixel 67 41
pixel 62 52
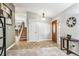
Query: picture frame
pixel 7 12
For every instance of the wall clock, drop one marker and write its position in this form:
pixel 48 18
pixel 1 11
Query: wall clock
pixel 71 21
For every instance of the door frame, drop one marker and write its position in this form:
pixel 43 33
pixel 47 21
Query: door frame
pixel 55 34
pixel 58 32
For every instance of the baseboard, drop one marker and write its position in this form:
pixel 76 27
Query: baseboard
pixel 10 46
pixel 38 40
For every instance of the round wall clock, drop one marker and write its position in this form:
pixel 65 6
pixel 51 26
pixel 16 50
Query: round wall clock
pixel 71 21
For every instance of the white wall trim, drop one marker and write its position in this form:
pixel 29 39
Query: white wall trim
pixel 38 40
pixel 10 46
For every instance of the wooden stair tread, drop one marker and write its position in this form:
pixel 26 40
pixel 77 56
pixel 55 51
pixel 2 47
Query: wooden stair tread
pixel 24 35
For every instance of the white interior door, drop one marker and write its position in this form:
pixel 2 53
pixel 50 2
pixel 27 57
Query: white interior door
pixel 39 31
pixel 33 31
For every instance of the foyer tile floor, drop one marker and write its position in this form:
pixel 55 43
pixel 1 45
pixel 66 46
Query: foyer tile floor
pixel 42 48
pixel 30 45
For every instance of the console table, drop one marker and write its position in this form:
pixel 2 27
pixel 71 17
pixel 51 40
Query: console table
pixel 66 40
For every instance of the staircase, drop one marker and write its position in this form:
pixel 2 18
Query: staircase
pixel 24 34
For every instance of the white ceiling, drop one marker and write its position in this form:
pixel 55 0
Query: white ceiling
pixel 50 9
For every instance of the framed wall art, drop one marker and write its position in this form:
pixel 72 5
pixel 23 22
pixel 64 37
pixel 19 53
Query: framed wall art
pixel 6 12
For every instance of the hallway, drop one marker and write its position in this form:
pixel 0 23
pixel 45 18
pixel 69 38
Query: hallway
pixel 39 29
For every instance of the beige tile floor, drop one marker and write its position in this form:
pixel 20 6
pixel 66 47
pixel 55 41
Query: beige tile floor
pixel 30 45
pixel 42 48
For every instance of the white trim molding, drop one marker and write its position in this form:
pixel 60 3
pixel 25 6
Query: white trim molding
pixel 10 46
pixel 38 40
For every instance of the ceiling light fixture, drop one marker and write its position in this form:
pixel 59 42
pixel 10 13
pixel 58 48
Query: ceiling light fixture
pixel 43 17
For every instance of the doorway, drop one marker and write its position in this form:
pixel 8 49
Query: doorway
pixel 54 31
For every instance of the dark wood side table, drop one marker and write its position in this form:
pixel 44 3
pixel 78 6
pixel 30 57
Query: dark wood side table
pixel 66 47
pixel 63 46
